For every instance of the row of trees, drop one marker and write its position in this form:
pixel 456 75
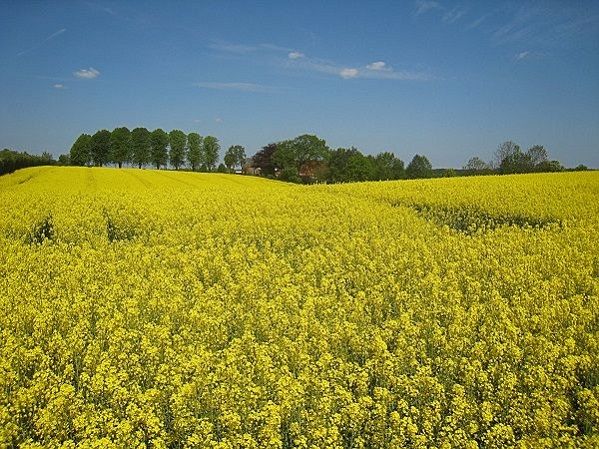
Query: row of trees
pixel 11 160
pixel 307 158
pixel 141 147
pixel 509 158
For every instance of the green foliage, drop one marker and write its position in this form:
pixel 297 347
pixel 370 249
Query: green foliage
pixel 13 160
pixel 211 149
pixel 388 167
pixel 120 146
pixel 234 157
pixel 195 152
pixel 296 152
pixel 100 147
pixel 81 150
pixel 141 146
pixel 178 148
pixel 159 143
pixel 419 167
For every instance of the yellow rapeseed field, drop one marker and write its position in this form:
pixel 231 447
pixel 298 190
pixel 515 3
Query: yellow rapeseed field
pixel 155 309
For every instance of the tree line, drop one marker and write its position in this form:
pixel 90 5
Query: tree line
pixel 141 147
pixel 304 159
pixel 307 158
pixel 509 158
pixel 11 160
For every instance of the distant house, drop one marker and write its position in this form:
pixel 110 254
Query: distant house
pixel 248 167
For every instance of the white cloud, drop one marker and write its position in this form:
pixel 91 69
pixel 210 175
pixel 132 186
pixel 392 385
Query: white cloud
pixel 522 55
pixel 423 6
pixel 378 66
pixel 89 74
pixel 218 120
pixel 295 55
pixel 348 73
pixel 244 87
pixel 59 86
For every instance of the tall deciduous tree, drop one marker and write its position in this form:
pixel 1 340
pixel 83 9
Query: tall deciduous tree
pixel 195 155
pixel 178 144
pixel 100 147
pixel 159 142
pixel 140 146
pixel 80 153
pixel 387 166
pixel 476 165
pixel 419 167
pixel 120 146
pixel 505 150
pixel 211 149
pixel 234 157
pixel 296 152
pixel 537 154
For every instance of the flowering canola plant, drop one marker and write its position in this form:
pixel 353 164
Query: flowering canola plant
pixel 158 309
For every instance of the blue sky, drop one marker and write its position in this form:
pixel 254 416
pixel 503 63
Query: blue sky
pixel 446 79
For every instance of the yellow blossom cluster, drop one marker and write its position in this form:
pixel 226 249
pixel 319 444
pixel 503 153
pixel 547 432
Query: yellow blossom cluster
pixel 158 309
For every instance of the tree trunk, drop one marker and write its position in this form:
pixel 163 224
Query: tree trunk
pixel 120 165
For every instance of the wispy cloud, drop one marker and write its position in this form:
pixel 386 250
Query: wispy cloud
pixel 522 55
pixel 59 86
pixel 218 120
pixel 545 24
pixel 52 36
pixel 297 60
pixel 89 74
pixel 476 23
pixel 295 55
pixel 232 48
pixel 454 15
pixel 375 70
pixel 348 73
pixel 241 49
pixel 379 66
pixel 244 87
pixel 423 6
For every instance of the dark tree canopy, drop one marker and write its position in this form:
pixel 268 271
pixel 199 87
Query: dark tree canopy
pixel 140 146
pixel 387 166
pixel 159 143
pixel 211 149
pixel 13 160
pixel 195 152
pixel 80 153
pixel 419 167
pixel 120 146
pixel 178 148
pixel 296 152
pixel 264 161
pixel 234 157
pixel 100 147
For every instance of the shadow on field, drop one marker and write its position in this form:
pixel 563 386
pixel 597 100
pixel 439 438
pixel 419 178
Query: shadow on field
pixel 471 220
